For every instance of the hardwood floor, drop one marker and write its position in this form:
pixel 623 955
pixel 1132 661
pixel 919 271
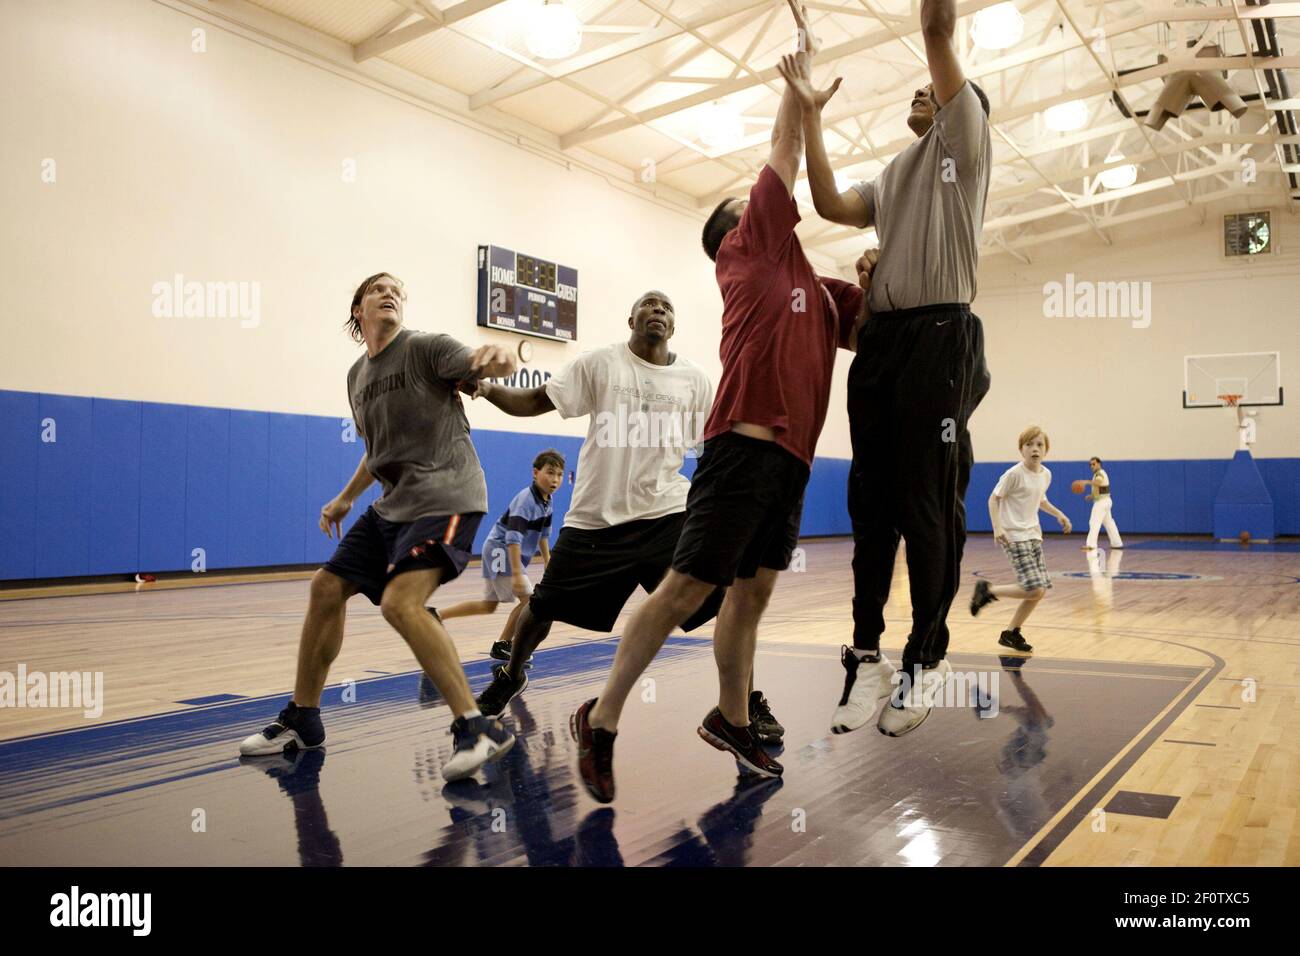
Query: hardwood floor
pixel 1231 756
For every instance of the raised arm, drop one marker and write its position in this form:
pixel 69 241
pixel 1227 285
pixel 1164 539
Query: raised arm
pixel 938 26
pixel 521 402
pixel 787 140
pixel 848 207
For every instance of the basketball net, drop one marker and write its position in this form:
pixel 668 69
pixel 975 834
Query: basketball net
pixel 1234 402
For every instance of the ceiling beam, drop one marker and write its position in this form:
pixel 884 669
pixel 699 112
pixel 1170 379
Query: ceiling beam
pixel 377 46
pixel 878 38
pixel 1057 209
pixel 612 51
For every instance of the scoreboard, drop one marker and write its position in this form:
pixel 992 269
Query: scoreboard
pixel 525 294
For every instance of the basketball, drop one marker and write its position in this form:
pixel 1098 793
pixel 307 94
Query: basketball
pixel 1079 486
pixel 1245 537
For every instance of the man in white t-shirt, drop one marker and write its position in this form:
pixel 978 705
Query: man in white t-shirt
pixel 1099 495
pixel 1013 507
pixel 647 407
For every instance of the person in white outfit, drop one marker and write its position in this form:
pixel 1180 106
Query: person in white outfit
pixel 1099 495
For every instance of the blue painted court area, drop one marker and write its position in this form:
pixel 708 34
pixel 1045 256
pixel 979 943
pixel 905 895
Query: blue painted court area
pixel 977 781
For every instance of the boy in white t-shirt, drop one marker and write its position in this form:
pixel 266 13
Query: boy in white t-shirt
pixel 1099 495
pixel 1014 506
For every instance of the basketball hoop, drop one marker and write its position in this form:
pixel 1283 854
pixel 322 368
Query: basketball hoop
pixel 1230 401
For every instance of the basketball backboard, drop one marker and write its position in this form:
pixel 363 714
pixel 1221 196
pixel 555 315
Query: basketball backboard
pixel 1254 376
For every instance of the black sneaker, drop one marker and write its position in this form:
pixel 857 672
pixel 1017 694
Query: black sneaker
pixel 1015 640
pixel 501 652
pixel 498 694
pixel 295 727
pixel 476 741
pixel 983 596
pixel 740 742
pixel 766 727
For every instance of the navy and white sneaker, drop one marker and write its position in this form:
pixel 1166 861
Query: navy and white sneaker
pixel 296 727
pixel 476 741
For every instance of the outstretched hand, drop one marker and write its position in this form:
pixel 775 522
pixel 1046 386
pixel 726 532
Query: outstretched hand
pixel 807 44
pixel 797 72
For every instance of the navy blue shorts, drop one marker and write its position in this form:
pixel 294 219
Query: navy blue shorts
pixel 376 550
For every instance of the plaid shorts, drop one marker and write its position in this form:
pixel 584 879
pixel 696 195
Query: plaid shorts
pixel 1027 560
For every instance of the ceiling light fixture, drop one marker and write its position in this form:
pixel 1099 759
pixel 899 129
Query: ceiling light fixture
pixel 1067 117
pixel 553 31
pixel 720 126
pixel 1118 177
pixel 998 27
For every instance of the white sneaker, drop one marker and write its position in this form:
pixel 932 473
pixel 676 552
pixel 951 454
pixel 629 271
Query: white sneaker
pixel 904 713
pixel 475 742
pixel 865 686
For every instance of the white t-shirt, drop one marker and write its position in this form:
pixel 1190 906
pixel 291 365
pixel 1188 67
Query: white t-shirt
pixel 1022 491
pixel 644 417
pixel 1101 479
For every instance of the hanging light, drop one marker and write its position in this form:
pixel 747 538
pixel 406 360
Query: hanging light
pixel 553 31
pixel 1067 117
pixel 998 27
pixel 720 125
pixel 1118 177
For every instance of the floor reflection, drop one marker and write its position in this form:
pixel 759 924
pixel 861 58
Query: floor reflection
pixel 1022 803
pixel 1102 569
pixel 298 774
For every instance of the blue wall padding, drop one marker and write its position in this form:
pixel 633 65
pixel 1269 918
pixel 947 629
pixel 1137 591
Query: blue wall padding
pixel 1243 502
pixel 63 488
pixel 20 437
pixel 136 486
pixel 286 488
pixel 207 487
pixel 162 488
pixel 114 485
pixel 248 536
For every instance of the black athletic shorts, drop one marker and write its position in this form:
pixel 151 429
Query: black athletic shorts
pixel 591 574
pixel 743 512
pixel 376 550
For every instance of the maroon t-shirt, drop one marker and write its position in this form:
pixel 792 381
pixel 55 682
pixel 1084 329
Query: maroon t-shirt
pixel 781 324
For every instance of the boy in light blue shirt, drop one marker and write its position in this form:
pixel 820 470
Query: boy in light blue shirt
pixel 518 534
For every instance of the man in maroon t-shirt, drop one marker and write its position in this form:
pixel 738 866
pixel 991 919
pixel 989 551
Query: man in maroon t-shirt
pixel 781 325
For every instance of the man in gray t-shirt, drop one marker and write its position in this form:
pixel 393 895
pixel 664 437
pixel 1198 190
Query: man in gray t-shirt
pixel 919 372
pixel 417 536
pixel 407 408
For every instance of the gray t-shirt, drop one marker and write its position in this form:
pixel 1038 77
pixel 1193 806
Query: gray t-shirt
pixel 406 407
pixel 929 225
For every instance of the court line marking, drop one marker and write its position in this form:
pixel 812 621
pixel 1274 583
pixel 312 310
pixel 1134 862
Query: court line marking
pixel 1190 743
pixel 1108 780
pixel 1046 670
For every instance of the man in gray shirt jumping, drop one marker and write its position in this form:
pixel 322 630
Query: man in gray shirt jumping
pixel 919 373
pixel 417 536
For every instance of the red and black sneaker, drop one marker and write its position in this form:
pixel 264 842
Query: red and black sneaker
pixel 740 742
pixel 595 754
